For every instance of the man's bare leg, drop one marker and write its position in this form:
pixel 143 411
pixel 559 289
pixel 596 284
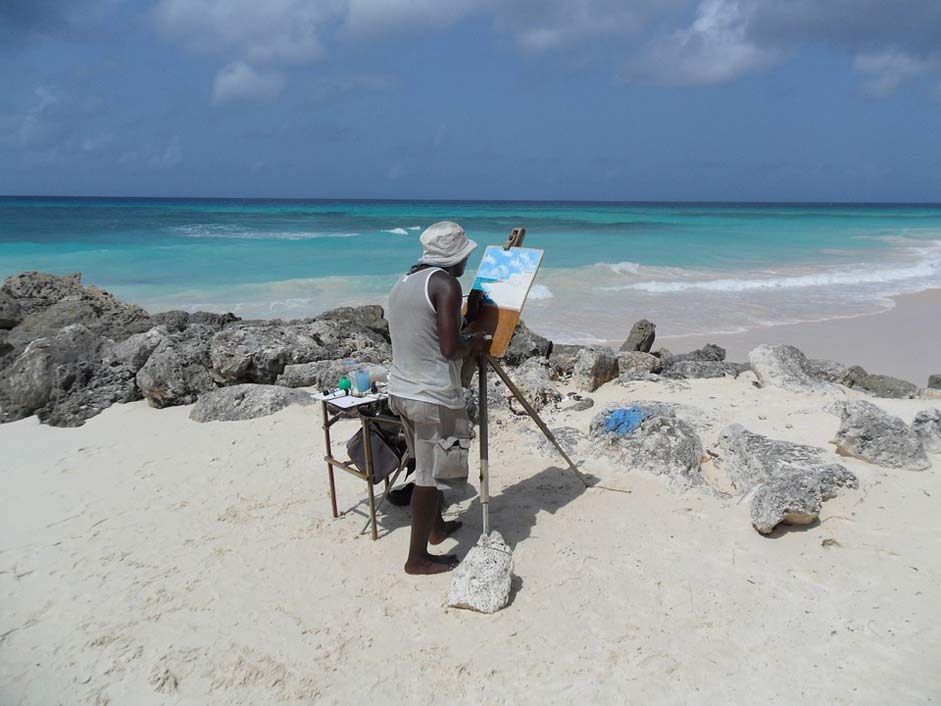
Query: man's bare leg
pixel 426 509
pixel 443 528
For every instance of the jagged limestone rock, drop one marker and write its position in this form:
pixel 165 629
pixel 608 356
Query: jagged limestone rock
pixel 868 433
pixel 35 291
pixel 790 480
pixel 594 366
pixel 562 361
pixel 238 402
pixel 927 425
pixel 61 379
pixel 630 362
pixel 654 440
pixel 483 580
pixel 709 353
pixel 793 500
pixel 10 312
pixel 134 351
pixel 641 337
pixel 259 351
pixel 828 370
pixel 179 370
pixel 176 321
pixel 879 385
pixel 785 367
pixel 524 345
pixel 751 459
pixel 697 369
pixel 532 379
pixel 367 316
pixel 322 374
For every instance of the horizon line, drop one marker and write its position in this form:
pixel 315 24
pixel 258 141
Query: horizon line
pixel 475 200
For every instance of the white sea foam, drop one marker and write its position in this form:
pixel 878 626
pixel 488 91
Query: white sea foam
pixel 623 268
pixel 539 292
pixel 396 231
pixel 229 234
pixel 928 266
pixel 414 227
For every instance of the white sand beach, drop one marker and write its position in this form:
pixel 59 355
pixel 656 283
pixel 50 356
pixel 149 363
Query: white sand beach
pixel 218 217
pixel 904 341
pixel 148 559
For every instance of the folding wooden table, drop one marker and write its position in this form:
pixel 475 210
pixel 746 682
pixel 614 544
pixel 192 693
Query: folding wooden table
pixel 337 406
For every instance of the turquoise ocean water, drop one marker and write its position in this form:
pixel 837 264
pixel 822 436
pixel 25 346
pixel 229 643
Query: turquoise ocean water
pixel 690 267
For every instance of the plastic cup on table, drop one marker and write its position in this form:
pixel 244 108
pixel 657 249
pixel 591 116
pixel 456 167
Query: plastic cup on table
pixel 362 381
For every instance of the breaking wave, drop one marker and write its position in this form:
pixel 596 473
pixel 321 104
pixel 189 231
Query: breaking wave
pixel 929 266
pixel 539 292
pixel 623 268
pixel 199 231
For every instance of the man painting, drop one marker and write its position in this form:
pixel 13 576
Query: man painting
pixel 428 350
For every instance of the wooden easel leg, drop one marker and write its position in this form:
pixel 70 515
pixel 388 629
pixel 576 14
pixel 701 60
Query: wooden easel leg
pixel 482 432
pixel 329 452
pixel 504 376
pixel 372 500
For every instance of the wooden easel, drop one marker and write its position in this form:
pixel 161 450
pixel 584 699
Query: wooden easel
pixel 501 323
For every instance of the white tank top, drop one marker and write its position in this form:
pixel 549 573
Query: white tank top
pixel 419 370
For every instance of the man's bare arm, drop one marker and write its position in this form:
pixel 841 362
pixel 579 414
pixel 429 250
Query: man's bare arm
pixel 446 297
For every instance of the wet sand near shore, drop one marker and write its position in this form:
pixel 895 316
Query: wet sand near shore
pixel 904 341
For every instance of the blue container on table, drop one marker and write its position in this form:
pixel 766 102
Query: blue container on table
pixel 362 381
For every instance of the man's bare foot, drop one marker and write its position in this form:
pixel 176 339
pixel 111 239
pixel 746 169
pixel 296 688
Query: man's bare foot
pixel 443 531
pixel 450 559
pixel 430 565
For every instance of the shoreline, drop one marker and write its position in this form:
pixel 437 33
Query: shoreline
pixel 846 339
pixel 900 341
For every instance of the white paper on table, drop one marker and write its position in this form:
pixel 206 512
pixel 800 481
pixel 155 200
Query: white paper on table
pixel 342 401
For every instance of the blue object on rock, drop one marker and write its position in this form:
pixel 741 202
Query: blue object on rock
pixel 625 420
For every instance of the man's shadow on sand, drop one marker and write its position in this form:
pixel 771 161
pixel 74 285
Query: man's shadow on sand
pixel 513 511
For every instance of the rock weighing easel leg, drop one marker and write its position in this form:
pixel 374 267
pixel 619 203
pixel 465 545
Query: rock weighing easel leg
pixel 482 581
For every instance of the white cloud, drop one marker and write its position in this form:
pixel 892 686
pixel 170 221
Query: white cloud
pixel 273 30
pixel 169 156
pixel 155 154
pixel 239 82
pixel 384 16
pixel 41 123
pixel 884 72
pixel 54 123
pixel 715 48
pixel 893 42
pixel 540 26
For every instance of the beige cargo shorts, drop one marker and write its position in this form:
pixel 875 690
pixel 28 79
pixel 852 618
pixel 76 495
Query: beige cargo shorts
pixel 439 440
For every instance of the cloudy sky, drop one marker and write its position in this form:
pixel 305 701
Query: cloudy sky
pixel 832 100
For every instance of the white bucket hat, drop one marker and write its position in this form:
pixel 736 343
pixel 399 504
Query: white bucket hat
pixel 444 244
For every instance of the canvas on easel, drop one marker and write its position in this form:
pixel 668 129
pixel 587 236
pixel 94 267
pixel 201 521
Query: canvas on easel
pixel 504 279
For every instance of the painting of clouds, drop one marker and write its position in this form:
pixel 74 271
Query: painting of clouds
pixel 505 276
